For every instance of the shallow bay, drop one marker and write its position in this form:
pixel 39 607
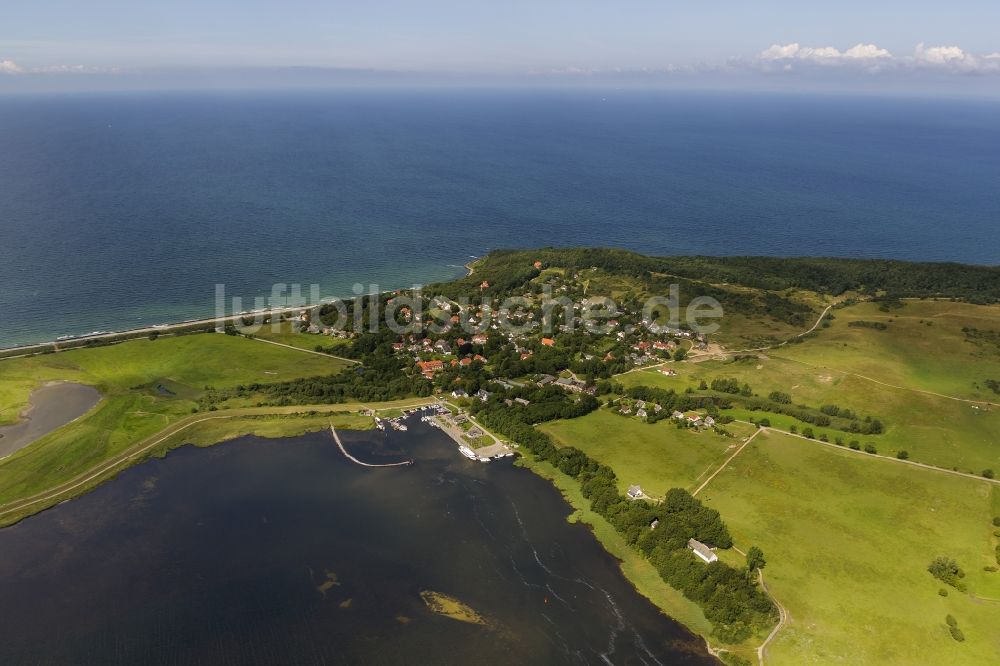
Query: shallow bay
pixel 283 551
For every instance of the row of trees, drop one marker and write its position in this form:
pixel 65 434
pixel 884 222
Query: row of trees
pixel 729 596
pixel 777 402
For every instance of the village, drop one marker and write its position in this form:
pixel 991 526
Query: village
pixel 551 335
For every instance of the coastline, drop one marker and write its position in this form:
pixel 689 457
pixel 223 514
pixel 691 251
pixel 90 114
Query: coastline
pixel 37 400
pixel 172 328
pixel 636 569
pixel 202 429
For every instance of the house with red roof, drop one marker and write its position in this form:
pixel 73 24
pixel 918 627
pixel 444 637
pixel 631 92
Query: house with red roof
pixel 428 368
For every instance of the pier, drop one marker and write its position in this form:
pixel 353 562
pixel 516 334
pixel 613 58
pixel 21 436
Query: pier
pixel 347 455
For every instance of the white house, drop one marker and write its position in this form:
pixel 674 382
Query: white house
pixel 703 552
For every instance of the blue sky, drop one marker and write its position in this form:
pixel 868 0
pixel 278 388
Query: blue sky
pixel 507 38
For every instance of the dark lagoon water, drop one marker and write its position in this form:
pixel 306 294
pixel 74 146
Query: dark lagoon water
pixel 51 406
pixel 219 556
pixel 121 210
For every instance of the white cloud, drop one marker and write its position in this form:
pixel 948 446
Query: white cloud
pixel 941 55
pixel 873 59
pixel 955 59
pixel 823 54
pixel 866 52
pixel 10 67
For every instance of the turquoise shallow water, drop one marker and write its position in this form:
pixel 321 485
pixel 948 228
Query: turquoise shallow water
pixel 121 210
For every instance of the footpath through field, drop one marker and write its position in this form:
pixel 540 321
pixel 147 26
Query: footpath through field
pixel 728 460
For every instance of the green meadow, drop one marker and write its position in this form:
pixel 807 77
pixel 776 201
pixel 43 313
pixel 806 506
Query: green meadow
pixel 657 456
pixel 146 385
pixel 848 539
pixel 285 333
pixel 838 366
pixel 921 347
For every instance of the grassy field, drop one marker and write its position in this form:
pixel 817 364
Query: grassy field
pixel 922 347
pixel 657 456
pixel 268 425
pixel 185 364
pixel 932 429
pixel 133 407
pixel 285 334
pixel 848 540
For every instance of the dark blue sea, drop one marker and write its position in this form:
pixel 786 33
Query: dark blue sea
pixel 123 210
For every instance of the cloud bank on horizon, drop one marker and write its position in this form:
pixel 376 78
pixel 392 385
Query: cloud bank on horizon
pixel 873 58
pixel 791 65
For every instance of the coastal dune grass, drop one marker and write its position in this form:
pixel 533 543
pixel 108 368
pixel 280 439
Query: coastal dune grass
pixel 848 540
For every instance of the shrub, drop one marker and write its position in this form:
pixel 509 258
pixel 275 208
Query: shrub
pixel 990 569
pixel 755 559
pixel 778 396
pixel 950 619
pixel 988 473
pixel 807 432
pixel 870 448
pixel 957 634
pixel 996 521
pixel 943 592
pixel 764 423
pixel 947 571
pixel 903 455
pixel 877 325
pixel 855 444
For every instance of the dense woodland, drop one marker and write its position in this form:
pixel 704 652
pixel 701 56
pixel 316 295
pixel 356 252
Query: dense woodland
pixel 979 284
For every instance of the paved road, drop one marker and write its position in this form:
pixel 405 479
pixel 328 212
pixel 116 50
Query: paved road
pixel 146 330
